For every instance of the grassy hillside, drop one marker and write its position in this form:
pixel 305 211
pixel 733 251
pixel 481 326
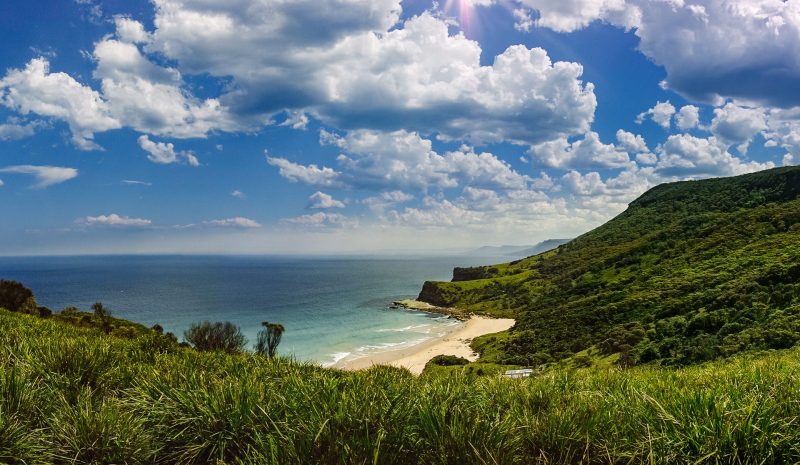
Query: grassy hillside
pixel 690 272
pixel 70 394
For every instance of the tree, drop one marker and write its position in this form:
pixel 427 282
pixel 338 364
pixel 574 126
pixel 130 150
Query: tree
pixel 269 338
pixel 104 315
pixel 16 297
pixel 221 336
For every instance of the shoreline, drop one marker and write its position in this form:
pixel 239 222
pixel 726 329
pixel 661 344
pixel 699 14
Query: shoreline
pixel 454 342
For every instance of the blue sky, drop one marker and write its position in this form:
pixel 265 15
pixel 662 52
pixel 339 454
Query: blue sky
pixel 269 126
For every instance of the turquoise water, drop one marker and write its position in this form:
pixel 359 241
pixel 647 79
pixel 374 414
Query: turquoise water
pixel 332 308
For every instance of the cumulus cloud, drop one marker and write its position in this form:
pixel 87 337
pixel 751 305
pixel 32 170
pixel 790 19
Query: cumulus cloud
pixel 633 143
pixel 351 64
pixel 571 15
pixel 784 132
pixel 115 220
pixel 236 222
pixel 150 98
pixel 360 68
pixel 131 31
pixel 312 175
pixel 320 201
pixel 34 89
pixel 380 203
pixel 586 152
pixel 661 114
pixel 711 49
pixel 688 117
pixel 45 176
pixel 685 156
pixel 401 160
pixel 14 129
pixel 735 124
pixel 321 220
pixel 164 153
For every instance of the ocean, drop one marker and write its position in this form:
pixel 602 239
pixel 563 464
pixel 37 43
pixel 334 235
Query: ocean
pixel 332 308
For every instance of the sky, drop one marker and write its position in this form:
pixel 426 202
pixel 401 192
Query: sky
pixel 356 126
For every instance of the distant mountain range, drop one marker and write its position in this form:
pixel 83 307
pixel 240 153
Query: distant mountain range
pixel 520 251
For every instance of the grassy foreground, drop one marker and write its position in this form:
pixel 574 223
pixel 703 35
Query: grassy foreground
pixel 75 395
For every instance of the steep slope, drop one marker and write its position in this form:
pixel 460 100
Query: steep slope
pixel 691 271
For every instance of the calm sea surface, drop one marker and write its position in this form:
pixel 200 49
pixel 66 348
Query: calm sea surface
pixel 331 307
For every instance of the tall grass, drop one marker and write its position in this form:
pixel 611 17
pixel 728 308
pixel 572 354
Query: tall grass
pixel 70 395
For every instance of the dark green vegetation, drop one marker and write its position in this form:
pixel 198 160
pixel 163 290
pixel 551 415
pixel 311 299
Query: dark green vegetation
pixel 75 395
pixel 448 360
pixel 269 338
pixel 692 271
pixel 209 337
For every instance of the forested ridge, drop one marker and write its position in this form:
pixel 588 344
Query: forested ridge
pixel 690 272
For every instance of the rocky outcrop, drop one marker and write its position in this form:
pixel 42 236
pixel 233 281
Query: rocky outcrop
pixel 432 294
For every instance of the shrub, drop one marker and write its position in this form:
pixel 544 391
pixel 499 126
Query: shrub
pixel 448 360
pixel 219 336
pixel 16 297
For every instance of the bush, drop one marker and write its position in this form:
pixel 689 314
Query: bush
pixel 448 360
pixel 16 297
pixel 219 336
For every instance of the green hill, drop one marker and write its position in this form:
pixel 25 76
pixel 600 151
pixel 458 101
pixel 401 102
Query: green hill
pixel 691 271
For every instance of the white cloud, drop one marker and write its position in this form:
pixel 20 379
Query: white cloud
pixel 589 151
pixel 661 113
pixel 784 131
pixel 632 143
pixel 646 158
pixel 320 200
pixel 311 175
pixel 34 89
pixel 130 30
pixel 384 200
pixel 45 176
pixel 714 49
pixel 570 15
pixel 347 64
pixel 115 220
pixel 523 20
pixel 321 220
pixel 296 120
pixel 685 156
pixel 150 98
pixel 711 49
pixel 237 222
pixel 130 182
pixel 164 153
pixel 734 124
pixel 238 194
pixel 791 159
pixel 688 117
pixel 402 160
pixel 14 129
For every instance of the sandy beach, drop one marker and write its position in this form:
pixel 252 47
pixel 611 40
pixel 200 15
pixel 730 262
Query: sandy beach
pixel 455 342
